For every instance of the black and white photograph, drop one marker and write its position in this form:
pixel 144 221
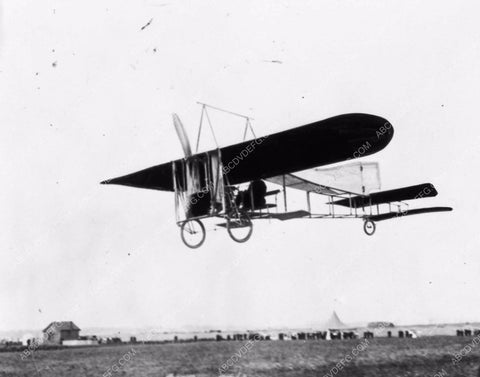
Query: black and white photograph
pixel 228 188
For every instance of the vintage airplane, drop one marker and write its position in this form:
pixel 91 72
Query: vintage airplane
pixel 208 184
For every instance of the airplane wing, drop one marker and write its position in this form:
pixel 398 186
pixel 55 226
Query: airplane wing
pixel 158 177
pixel 325 142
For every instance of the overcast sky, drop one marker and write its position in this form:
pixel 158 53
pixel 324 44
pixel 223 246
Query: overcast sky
pixel 86 95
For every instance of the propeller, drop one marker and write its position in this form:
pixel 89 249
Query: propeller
pixel 182 135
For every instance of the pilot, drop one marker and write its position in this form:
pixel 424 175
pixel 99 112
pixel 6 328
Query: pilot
pixel 256 192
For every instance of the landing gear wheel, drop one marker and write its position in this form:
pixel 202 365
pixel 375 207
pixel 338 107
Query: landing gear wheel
pixel 192 233
pixel 369 227
pixel 240 227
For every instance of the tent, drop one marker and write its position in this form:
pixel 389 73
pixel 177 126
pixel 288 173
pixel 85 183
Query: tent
pixel 334 322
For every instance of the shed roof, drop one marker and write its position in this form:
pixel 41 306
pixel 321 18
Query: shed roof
pixel 62 325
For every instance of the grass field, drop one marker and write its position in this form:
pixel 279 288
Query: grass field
pixel 429 356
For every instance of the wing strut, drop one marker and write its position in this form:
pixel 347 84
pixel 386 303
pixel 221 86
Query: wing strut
pixel 248 123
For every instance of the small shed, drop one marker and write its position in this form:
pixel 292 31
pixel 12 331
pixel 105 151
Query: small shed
pixel 57 332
